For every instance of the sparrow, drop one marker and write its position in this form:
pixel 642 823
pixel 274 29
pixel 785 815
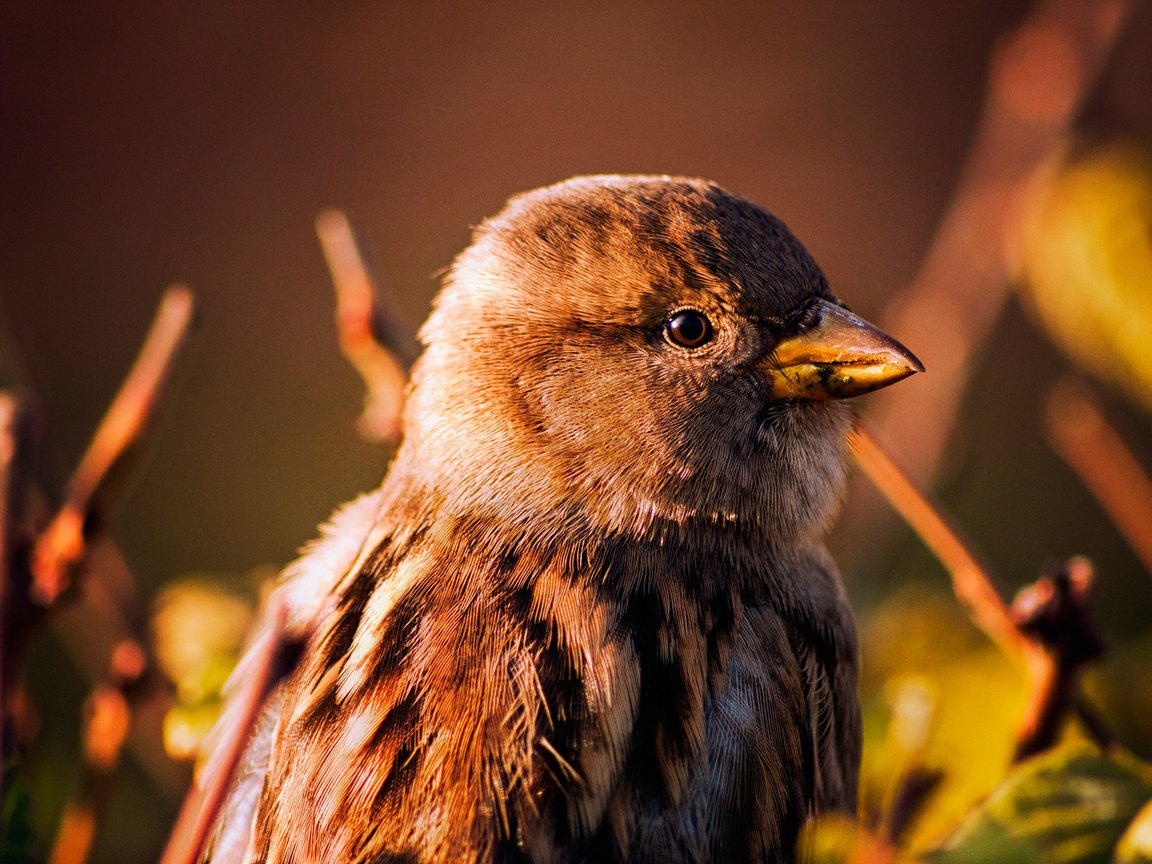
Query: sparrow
pixel 589 615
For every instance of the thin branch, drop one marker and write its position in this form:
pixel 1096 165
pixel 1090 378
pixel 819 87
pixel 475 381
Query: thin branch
pixel 36 572
pixel 912 782
pixel 10 496
pixel 64 545
pixel 360 322
pixel 272 661
pixel 1055 612
pixel 971 581
pixel 60 548
pixel 1083 437
pixel 1051 654
pixel 13 478
pixel 107 611
pixel 1039 78
pixel 1096 727
pixel 108 719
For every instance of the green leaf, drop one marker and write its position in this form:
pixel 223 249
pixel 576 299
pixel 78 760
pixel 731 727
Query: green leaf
pixel 1064 807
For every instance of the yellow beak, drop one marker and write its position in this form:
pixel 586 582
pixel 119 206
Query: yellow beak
pixel 841 355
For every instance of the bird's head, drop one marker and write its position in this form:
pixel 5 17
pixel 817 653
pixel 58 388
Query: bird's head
pixel 640 353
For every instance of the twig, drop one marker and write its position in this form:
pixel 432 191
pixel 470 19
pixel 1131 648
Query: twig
pixel 1039 78
pixel 107 612
pixel 13 476
pixel 66 542
pixel 108 718
pixel 271 663
pixel 362 324
pixel 1083 437
pixel 10 497
pixel 1096 727
pixel 915 788
pixel 971 581
pixel 913 783
pixel 1051 656
pixel 1055 612
pixel 60 548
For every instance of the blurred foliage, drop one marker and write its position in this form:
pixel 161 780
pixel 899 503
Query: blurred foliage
pixel 921 638
pixel 199 626
pixel 1063 807
pixel 1122 687
pixel 938 696
pixel 1086 257
pixel 1135 846
pixel 833 840
pixel 1072 805
pixel 16 834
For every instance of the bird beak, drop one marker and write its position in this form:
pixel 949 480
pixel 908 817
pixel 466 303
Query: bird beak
pixel 841 355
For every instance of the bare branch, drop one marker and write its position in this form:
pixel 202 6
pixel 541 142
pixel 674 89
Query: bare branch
pixel 912 782
pixel 1055 612
pixel 272 662
pixel 108 718
pixel 971 581
pixel 1082 435
pixel 13 580
pixel 1096 727
pixel 64 544
pixel 1040 76
pixel 108 614
pixel 61 546
pixel 1048 630
pixel 359 315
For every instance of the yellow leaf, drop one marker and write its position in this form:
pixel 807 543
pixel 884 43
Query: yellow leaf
pixel 1086 258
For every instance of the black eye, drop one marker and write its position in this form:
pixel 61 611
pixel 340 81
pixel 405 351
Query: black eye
pixel 688 329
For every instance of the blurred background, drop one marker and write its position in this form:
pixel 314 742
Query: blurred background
pixel 147 142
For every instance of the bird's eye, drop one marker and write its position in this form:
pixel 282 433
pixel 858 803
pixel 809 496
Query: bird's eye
pixel 688 329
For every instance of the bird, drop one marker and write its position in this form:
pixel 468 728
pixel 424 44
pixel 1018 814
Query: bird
pixel 589 615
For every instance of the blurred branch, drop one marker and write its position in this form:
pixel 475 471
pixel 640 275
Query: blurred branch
pixel 1039 77
pixel 13 580
pixel 1055 612
pixel 913 783
pixel 38 572
pixel 1048 629
pixel 971 581
pixel 364 327
pixel 108 611
pixel 12 476
pixel 1083 437
pixel 1095 725
pixel 271 662
pixel 61 547
pixel 108 718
